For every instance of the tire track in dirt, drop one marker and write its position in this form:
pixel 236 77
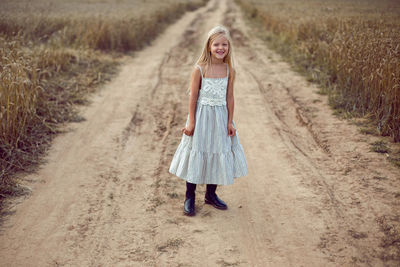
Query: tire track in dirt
pixel 163 119
pixel 315 159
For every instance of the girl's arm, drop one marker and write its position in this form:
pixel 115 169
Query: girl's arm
pixel 194 93
pixel 230 103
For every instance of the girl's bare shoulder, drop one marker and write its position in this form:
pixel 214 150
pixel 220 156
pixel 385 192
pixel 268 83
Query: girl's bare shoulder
pixel 196 73
pixel 201 65
pixel 232 72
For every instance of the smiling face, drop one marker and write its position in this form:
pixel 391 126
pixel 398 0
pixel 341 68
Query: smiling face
pixel 219 47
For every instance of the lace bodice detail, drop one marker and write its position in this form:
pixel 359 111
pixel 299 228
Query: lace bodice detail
pixel 213 90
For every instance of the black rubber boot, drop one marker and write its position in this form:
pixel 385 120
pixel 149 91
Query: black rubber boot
pixel 212 198
pixel 190 190
pixel 190 199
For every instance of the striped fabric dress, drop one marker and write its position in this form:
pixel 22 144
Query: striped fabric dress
pixel 210 156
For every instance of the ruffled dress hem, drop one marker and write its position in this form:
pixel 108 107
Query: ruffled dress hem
pixel 199 167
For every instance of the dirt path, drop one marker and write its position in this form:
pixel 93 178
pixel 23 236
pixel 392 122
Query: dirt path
pixel 314 196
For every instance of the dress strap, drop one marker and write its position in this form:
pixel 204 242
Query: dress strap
pixel 227 70
pixel 201 72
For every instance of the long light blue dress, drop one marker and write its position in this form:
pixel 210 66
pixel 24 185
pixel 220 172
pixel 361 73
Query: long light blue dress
pixel 210 156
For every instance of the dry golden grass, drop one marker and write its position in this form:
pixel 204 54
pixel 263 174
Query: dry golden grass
pixel 106 25
pixel 352 48
pixel 52 53
pixel 38 87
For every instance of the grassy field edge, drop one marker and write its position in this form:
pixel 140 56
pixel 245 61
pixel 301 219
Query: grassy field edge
pixel 46 72
pixel 315 66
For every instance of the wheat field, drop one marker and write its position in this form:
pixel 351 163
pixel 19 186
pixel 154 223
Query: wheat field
pixel 352 48
pixel 52 54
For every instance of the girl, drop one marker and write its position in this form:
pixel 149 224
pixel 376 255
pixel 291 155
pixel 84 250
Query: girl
pixel 210 152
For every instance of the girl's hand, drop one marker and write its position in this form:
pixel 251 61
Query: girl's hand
pixel 231 130
pixel 189 129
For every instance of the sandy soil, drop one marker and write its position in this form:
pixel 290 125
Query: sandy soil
pixel 315 195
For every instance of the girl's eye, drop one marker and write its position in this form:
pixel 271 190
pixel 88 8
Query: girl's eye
pixel 217 44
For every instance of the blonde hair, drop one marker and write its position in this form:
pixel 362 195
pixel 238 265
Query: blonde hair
pixel 205 57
